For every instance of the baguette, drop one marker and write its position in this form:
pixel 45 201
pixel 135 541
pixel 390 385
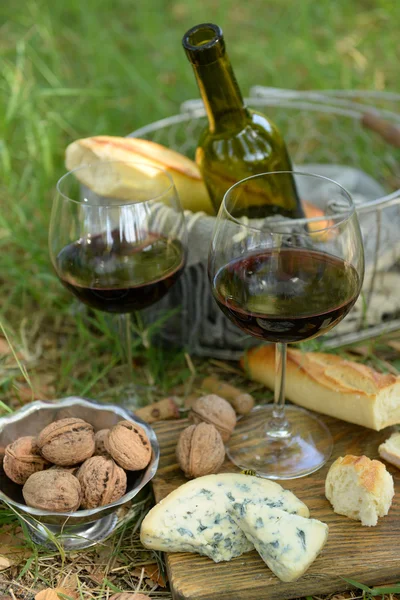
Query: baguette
pixel 122 181
pixel 330 385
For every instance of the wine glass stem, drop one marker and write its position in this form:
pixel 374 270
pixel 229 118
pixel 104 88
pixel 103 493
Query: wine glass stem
pixel 278 426
pixel 126 336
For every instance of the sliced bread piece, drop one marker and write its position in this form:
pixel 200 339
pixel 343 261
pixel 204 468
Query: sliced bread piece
pixel 359 488
pixel 390 450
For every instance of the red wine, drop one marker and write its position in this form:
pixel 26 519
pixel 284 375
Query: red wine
pixel 286 295
pixel 116 276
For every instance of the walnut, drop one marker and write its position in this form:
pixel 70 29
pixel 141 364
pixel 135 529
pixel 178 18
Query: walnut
pixel 22 458
pixel 57 491
pixel 72 470
pixel 102 482
pixel 129 446
pixel 67 442
pixel 200 450
pixel 100 438
pixel 216 411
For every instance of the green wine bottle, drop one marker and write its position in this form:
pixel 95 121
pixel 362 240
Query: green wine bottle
pixel 238 142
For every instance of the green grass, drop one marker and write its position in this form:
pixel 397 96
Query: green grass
pixel 78 68
pixel 74 69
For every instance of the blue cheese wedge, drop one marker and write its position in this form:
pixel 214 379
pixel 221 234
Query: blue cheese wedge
pixel 197 516
pixel 287 543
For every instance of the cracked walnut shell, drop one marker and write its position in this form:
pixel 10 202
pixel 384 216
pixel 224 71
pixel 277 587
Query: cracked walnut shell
pixel 214 410
pixel 200 450
pixel 57 491
pixel 22 458
pixel 129 446
pixel 102 482
pixel 67 442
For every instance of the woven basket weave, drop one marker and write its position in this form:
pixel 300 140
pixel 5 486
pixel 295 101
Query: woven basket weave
pixel 324 134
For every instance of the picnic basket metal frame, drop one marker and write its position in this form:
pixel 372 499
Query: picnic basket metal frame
pixel 320 127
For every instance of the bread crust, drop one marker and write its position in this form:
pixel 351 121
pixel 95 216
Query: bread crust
pixel 370 472
pixel 129 177
pixel 390 449
pixel 359 488
pixel 328 384
pixel 121 148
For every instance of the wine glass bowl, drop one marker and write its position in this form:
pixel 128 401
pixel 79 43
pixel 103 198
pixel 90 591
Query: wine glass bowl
pixel 121 252
pixel 118 240
pixel 283 281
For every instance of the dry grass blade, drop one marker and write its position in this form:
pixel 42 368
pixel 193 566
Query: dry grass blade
pixel 395 345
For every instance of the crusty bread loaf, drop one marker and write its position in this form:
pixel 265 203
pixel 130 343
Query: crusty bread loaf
pixel 331 385
pixel 390 450
pixel 359 488
pixel 123 180
pixel 320 227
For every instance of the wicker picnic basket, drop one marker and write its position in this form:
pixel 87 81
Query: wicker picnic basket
pixel 326 134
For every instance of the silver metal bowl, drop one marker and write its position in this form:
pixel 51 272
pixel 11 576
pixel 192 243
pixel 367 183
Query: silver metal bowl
pixel 82 528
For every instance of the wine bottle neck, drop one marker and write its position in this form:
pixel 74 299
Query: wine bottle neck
pixel 205 49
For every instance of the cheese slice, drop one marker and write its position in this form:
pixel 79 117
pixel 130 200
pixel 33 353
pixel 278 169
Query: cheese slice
pixel 196 517
pixel 287 543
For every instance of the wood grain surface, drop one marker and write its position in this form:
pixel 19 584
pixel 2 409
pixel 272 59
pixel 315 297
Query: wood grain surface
pixel 369 555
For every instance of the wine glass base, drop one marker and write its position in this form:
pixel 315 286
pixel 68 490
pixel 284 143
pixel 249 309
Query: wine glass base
pixel 304 450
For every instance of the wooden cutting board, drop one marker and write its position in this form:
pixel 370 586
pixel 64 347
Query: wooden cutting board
pixel 369 555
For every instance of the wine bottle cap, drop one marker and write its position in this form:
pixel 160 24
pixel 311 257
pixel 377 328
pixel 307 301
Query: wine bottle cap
pixel 204 44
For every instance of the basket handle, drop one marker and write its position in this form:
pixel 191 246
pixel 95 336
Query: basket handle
pixel 389 132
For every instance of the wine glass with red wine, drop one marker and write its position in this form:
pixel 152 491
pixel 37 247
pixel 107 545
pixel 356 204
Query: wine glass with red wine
pixel 117 237
pixel 284 281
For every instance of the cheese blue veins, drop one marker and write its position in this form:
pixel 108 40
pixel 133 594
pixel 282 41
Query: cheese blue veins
pixel 287 543
pixel 225 515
